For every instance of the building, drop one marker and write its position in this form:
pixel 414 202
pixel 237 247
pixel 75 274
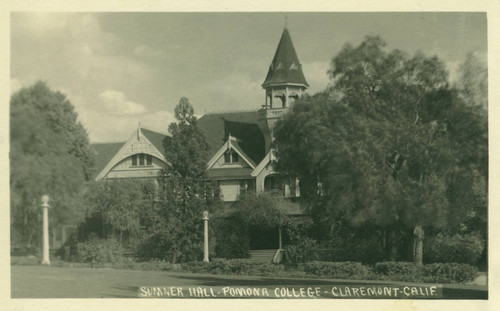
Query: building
pixel 240 142
pixel 241 157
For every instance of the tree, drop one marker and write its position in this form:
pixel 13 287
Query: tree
pixel 122 207
pixel 49 154
pixel 380 145
pixel 233 226
pixel 188 190
pixel 473 81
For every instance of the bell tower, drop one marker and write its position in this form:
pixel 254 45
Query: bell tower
pixel 285 81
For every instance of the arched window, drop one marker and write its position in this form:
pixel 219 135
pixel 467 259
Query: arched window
pixel 142 159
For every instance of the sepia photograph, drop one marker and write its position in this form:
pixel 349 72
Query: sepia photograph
pixel 249 155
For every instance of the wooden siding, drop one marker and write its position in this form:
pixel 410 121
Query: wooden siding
pixel 230 189
pixel 124 169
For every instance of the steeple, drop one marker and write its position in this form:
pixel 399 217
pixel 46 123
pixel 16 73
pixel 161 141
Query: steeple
pixel 285 67
pixel 285 81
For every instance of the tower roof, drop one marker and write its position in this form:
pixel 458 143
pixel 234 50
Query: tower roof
pixel 285 67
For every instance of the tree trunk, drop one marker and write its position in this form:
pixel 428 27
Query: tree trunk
pixel 418 252
pixel 393 245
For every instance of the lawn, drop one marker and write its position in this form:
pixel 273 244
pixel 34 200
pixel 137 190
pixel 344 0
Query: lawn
pixel 54 282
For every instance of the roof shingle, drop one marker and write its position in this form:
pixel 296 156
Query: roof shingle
pixel 285 67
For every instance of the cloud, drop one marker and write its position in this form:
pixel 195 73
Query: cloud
pixel 104 127
pixel 115 102
pixel 316 76
pixel 71 52
pixel 145 51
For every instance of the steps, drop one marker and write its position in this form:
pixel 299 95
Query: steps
pixel 262 255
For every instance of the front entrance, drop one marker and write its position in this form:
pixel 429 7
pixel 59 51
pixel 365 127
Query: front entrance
pixel 263 238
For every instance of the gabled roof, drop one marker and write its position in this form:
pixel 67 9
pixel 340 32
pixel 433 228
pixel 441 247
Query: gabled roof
pixel 267 159
pixel 285 67
pixel 249 127
pixel 156 139
pixel 107 152
pixel 104 152
pixel 231 144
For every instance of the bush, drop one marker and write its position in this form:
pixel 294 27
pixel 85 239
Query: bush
pixel 449 272
pixel 399 271
pixel 234 266
pixel 433 273
pixel 338 270
pixel 458 248
pixel 99 251
pixel 24 260
pixel 367 250
pixel 232 240
pixel 302 251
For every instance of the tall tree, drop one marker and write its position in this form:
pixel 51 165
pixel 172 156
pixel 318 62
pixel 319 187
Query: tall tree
pixel 473 81
pixel 379 146
pixel 122 206
pixel 188 190
pixel 49 154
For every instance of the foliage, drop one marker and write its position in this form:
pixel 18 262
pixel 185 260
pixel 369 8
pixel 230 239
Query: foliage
pixel 396 268
pixel 232 225
pixel 301 247
pixel 100 251
pixel 459 248
pixel 433 273
pixel 188 192
pixel 473 81
pixel 232 240
pixel 49 154
pixel 382 145
pixel 263 210
pixel 234 266
pixel 123 205
pixel 449 273
pixel 337 270
pixel 301 251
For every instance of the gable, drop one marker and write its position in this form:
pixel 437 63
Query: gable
pixel 249 127
pixel 104 152
pixel 136 144
pixel 218 161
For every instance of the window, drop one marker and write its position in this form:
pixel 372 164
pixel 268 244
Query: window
pixel 231 157
pixel 247 185
pixel 142 159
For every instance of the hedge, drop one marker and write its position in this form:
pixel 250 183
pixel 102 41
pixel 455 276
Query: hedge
pixel 234 266
pixel 432 273
pixel 338 270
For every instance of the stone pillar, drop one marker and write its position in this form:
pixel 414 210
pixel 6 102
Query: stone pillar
pixel 45 206
pixel 205 248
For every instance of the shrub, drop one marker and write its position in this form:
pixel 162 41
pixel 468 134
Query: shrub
pixel 399 271
pixel 302 251
pixel 367 250
pixel 24 261
pixel 338 270
pixel 234 266
pixel 458 248
pixel 449 272
pixel 100 251
pixel 434 273
pixel 232 240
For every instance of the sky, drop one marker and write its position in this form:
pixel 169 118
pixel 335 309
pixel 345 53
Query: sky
pixel 119 69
